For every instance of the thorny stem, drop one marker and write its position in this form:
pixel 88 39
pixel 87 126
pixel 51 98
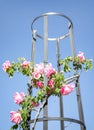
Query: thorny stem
pixel 29 93
pixel 38 112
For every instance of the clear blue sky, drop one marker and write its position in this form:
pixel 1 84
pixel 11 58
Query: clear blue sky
pixel 15 41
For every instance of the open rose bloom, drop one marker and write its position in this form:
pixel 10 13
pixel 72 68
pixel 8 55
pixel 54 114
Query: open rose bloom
pixel 39 70
pixel 6 65
pixel 25 64
pixel 38 75
pixel 66 89
pixel 49 70
pixel 18 97
pixel 15 117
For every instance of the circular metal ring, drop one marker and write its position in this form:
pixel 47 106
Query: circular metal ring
pixel 59 119
pixel 55 14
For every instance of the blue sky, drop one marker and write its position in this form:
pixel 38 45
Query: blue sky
pixel 16 17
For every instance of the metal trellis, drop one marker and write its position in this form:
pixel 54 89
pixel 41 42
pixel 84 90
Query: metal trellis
pixel 45 119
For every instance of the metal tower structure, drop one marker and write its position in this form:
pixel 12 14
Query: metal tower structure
pixel 45 119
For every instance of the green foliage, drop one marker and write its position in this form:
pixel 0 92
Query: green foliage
pixel 70 63
pixel 14 127
pixel 88 65
pixel 41 94
pixel 66 64
pixel 27 68
pixel 10 71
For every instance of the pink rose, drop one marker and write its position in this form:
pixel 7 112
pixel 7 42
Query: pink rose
pixel 51 83
pixel 36 75
pixel 81 56
pixel 39 68
pixel 49 70
pixel 50 86
pixel 15 117
pixel 18 97
pixel 66 89
pixel 25 64
pixel 35 104
pixel 6 65
pixel 39 84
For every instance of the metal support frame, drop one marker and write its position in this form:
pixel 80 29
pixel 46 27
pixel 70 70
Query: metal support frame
pixel 75 78
pixel 45 110
pixel 80 108
pixel 61 98
pixel 33 45
pixel 78 94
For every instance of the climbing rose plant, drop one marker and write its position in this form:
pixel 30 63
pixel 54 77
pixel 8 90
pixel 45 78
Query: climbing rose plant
pixel 56 85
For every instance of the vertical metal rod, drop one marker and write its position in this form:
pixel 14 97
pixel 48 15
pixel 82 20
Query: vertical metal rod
pixel 33 46
pixel 61 98
pixel 79 101
pixel 58 53
pixel 29 84
pixel 45 110
pixel 78 94
pixel 72 40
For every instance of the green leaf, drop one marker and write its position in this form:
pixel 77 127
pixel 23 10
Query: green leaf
pixel 40 95
pixel 88 65
pixel 60 62
pixel 67 68
pixel 57 90
pixel 14 127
